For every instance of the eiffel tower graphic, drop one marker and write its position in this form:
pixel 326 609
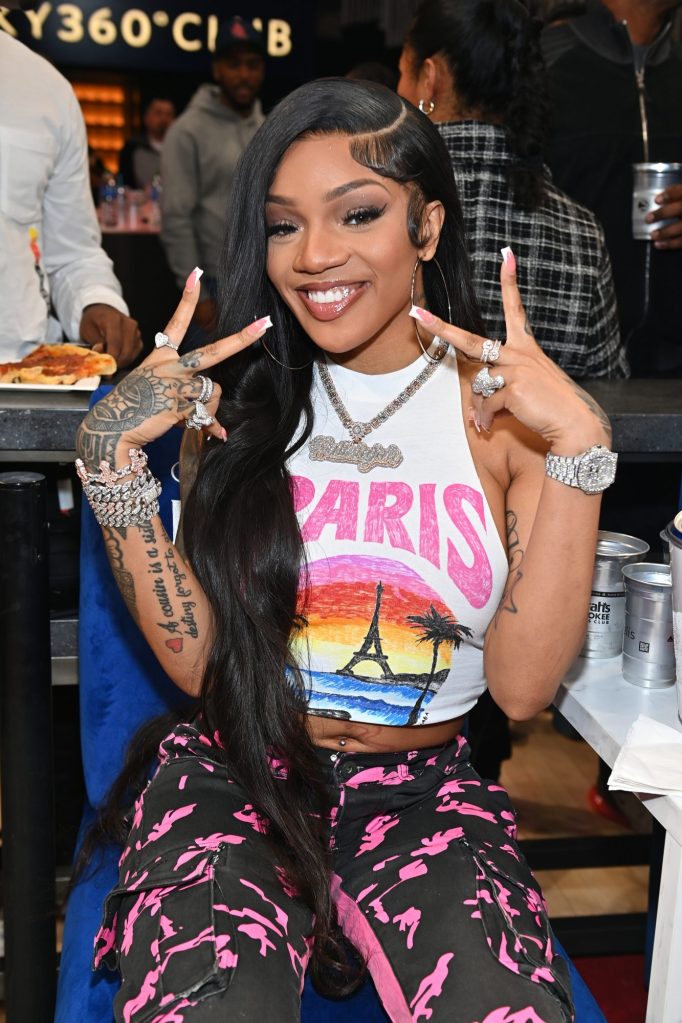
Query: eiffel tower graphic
pixel 371 640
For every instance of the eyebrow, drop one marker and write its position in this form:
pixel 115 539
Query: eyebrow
pixel 335 193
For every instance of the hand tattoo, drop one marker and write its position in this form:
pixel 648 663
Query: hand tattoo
pixel 594 407
pixel 139 396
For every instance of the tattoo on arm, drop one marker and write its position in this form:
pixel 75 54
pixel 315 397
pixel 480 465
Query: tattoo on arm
pixel 124 578
pixel 594 407
pixel 515 555
pixel 177 608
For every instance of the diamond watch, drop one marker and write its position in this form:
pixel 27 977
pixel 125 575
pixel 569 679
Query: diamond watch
pixel 592 471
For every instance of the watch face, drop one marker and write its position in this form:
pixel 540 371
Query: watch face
pixel 597 470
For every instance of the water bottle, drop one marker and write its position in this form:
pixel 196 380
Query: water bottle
pixel 121 202
pixel 109 201
pixel 155 191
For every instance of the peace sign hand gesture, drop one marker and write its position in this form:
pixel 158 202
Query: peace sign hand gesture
pixel 530 386
pixel 164 390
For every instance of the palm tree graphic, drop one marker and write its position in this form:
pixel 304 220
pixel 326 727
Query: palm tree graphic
pixel 435 628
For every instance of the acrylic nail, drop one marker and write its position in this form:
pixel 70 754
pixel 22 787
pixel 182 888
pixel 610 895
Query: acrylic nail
pixel 423 315
pixel 194 278
pixel 509 258
pixel 259 327
pixel 223 434
pixel 473 418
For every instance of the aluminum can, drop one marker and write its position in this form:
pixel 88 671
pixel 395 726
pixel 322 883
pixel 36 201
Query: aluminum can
pixel 648 652
pixel 649 180
pixel 675 540
pixel 607 604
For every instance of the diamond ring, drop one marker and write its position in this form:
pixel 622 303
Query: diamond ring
pixel 485 385
pixel 200 417
pixel 490 352
pixel 206 388
pixel 162 340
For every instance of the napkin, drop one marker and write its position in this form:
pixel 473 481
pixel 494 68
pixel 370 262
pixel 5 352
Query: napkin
pixel 650 759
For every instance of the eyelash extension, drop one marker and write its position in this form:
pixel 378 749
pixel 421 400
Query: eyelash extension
pixel 364 214
pixel 280 229
pixel 354 218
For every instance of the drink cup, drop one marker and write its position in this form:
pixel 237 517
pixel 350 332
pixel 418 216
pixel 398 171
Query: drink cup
pixel 675 539
pixel 648 652
pixel 606 617
pixel 650 179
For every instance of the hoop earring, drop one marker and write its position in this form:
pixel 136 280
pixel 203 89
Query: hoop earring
pixel 426 106
pixel 433 259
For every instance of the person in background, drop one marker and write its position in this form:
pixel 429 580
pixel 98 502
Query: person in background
pixel 616 93
pixel 141 158
pixel 200 155
pixel 55 278
pixel 474 66
pixel 374 71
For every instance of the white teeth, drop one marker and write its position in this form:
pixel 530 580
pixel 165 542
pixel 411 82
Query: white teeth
pixel 327 297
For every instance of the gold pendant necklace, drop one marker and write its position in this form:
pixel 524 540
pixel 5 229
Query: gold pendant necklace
pixel 354 451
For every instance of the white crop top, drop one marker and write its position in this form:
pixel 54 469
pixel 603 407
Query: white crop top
pixel 405 565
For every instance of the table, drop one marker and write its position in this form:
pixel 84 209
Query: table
pixel 40 426
pixel 601 705
pixel 646 416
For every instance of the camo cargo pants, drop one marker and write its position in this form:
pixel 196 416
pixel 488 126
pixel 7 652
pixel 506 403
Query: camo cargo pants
pixel 428 880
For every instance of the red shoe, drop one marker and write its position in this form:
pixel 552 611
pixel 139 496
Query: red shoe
pixel 605 808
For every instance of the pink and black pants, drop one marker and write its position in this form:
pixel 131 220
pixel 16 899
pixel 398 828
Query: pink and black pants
pixel 429 884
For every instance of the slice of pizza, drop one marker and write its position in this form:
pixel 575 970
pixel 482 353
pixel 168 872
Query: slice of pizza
pixel 57 364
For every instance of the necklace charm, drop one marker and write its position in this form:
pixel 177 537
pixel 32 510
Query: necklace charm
pixel 355 451
pixel 352 452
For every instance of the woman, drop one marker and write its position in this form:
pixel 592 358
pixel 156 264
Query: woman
pixel 475 67
pixel 333 610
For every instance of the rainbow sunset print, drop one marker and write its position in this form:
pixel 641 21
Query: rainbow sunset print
pixel 383 640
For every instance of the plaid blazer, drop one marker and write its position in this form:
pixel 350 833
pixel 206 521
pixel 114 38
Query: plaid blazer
pixel 564 271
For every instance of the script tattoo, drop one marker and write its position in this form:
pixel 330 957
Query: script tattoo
pixel 515 556
pixel 124 578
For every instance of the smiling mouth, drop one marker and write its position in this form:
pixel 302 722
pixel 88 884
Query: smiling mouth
pixel 328 303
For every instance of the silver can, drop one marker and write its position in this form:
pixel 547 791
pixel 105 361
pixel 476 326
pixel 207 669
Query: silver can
pixel 606 616
pixel 648 651
pixel 650 179
pixel 675 539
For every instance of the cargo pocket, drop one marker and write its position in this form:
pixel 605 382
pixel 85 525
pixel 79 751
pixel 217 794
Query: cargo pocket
pixel 171 940
pixel 517 930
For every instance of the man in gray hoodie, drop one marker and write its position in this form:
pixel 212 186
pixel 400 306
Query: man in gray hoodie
pixel 200 155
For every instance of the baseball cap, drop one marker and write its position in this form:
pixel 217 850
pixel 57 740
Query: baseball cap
pixel 238 32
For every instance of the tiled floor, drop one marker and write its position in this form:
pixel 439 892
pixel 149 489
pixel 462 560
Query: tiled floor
pixel 548 778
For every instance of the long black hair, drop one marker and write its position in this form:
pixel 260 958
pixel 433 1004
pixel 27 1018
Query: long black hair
pixel 492 49
pixel 240 530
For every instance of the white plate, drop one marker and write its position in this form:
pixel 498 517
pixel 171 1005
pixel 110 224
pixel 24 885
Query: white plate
pixel 85 384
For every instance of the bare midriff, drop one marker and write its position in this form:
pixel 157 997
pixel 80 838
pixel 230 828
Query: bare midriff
pixel 359 737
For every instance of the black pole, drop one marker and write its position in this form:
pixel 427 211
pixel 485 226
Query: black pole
pixel 28 856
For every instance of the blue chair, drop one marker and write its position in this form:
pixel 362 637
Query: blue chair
pixel 121 686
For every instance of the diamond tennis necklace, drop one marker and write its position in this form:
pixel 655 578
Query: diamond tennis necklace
pixel 354 451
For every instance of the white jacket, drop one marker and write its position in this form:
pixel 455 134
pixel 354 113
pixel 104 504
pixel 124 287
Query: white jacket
pixel 50 242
